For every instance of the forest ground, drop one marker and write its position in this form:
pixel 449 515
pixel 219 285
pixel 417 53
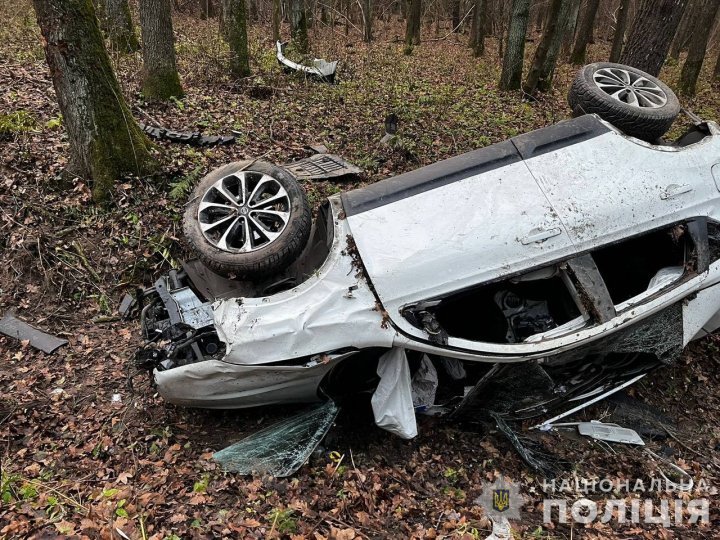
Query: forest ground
pixel 74 463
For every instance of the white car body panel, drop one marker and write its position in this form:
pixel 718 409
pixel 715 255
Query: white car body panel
pixel 333 309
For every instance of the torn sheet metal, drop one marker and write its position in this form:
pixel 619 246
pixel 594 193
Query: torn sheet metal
pixel 193 138
pixel 281 449
pixel 214 384
pixel 392 402
pixel 317 315
pixel 15 328
pixel 321 167
pixel 321 69
pixel 609 433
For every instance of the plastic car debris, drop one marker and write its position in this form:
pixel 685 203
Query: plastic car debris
pixel 609 432
pixel 392 402
pixel 424 385
pixel 322 166
pixel 194 138
pixel 281 449
pixel 15 328
pixel 320 69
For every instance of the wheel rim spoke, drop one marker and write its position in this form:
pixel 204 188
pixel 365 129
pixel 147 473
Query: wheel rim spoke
pixel 248 221
pixel 630 88
pixel 227 235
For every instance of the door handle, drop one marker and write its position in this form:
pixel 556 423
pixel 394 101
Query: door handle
pixel 673 190
pixel 539 234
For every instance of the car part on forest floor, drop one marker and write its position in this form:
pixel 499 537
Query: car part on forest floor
pixel 194 138
pixel 321 166
pixel 282 448
pixel 15 328
pixel 320 69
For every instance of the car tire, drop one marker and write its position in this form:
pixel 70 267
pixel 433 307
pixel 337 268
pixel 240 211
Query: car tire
pixel 633 101
pixel 248 236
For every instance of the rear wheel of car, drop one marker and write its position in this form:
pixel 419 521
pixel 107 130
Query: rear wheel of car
pixel 248 219
pixel 633 101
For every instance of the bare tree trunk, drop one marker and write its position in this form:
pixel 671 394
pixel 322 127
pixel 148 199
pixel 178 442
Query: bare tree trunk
pixel 584 33
pixel 236 24
pixel 298 26
pixel 276 20
pixel 570 34
pixel 477 34
pixel 620 26
pixel 716 71
pixel 160 76
pixel 651 33
pixel 117 23
pixel 543 66
pixel 456 15
pixel 207 9
pixel 105 140
pixel 367 21
pixel 685 29
pixel 707 10
pixel 412 29
pixel 511 75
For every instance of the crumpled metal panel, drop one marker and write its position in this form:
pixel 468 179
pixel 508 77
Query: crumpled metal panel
pixel 214 384
pixel 333 309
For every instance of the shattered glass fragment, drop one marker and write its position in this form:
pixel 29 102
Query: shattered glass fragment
pixel 281 449
pixel 532 452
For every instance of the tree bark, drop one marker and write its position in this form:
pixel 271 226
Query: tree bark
pixel 651 33
pixel 276 14
pixel 412 29
pixel 117 23
pixel 620 26
pixel 584 33
pixel 298 26
pixel 685 29
pixel 511 75
pixel 543 66
pixel 367 21
pixel 105 140
pixel 456 16
pixel 477 33
pixel 236 23
pixel 570 34
pixel 716 71
pixel 698 45
pixel 160 76
pixel 207 9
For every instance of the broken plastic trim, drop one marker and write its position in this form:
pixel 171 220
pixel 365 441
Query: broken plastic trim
pixel 281 449
pixel 320 69
pixel 194 138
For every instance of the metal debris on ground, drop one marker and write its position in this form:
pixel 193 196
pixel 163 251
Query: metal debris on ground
pixel 609 433
pixel 320 69
pixel 322 166
pixel 281 449
pixel 194 138
pixel 15 328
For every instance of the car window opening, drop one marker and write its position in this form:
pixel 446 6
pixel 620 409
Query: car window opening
pixel 632 267
pixel 509 311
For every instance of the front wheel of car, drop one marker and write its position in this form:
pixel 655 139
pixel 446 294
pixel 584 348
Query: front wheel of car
pixel 248 219
pixel 633 101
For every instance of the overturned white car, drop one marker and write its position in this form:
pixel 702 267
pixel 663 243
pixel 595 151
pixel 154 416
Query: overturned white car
pixel 572 259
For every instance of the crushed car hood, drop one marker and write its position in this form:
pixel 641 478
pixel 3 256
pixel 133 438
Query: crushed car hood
pixel 519 204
